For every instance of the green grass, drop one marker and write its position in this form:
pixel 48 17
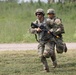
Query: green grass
pixel 15 20
pixel 28 63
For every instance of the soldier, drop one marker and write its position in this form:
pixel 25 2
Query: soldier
pixel 44 42
pixel 55 26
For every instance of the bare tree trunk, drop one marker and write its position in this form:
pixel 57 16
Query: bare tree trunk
pixel 59 1
pixel 50 1
pixel 39 2
pixel 74 1
pixel 53 0
pixel 62 1
pixel 31 1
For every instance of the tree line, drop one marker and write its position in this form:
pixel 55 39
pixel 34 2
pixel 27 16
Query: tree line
pixel 60 1
pixel 49 1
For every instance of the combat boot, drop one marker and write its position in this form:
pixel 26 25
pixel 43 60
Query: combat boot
pixel 46 69
pixel 65 48
pixel 54 64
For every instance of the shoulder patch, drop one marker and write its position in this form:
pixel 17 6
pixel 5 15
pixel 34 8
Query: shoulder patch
pixel 58 21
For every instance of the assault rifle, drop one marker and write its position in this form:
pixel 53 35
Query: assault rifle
pixel 43 28
pixel 44 36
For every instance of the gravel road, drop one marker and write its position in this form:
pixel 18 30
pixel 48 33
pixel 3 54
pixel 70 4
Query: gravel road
pixel 28 46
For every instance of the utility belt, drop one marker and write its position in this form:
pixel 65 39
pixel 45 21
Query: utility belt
pixel 45 39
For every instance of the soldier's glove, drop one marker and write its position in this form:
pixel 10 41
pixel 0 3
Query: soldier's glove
pixel 59 29
pixel 38 30
pixel 51 30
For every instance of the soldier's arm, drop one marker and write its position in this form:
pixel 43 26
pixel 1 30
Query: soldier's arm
pixel 33 30
pixel 60 27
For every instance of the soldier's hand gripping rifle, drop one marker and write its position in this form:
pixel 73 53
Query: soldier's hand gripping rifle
pixel 42 27
pixel 44 31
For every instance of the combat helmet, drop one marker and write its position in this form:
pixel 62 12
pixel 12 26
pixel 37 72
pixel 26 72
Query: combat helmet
pixel 50 11
pixel 39 10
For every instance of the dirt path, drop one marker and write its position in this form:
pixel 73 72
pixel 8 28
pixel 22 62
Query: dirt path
pixel 28 46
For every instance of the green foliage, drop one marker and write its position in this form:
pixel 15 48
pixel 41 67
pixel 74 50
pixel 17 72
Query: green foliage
pixel 15 20
pixel 28 63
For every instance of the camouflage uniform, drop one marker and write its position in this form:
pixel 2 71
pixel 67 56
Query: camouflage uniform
pixel 46 45
pixel 55 26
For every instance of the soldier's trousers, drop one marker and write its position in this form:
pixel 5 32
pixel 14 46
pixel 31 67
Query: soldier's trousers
pixel 50 48
pixel 60 46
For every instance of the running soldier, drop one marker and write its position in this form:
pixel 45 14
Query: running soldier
pixel 46 46
pixel 56 27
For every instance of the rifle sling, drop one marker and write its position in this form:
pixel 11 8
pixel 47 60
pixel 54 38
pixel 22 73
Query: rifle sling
pixel 36 38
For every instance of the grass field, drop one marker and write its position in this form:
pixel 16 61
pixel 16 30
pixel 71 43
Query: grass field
pixel 28 63
pixel 15 20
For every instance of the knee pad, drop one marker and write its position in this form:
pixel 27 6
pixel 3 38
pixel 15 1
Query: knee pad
pixel 46 54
